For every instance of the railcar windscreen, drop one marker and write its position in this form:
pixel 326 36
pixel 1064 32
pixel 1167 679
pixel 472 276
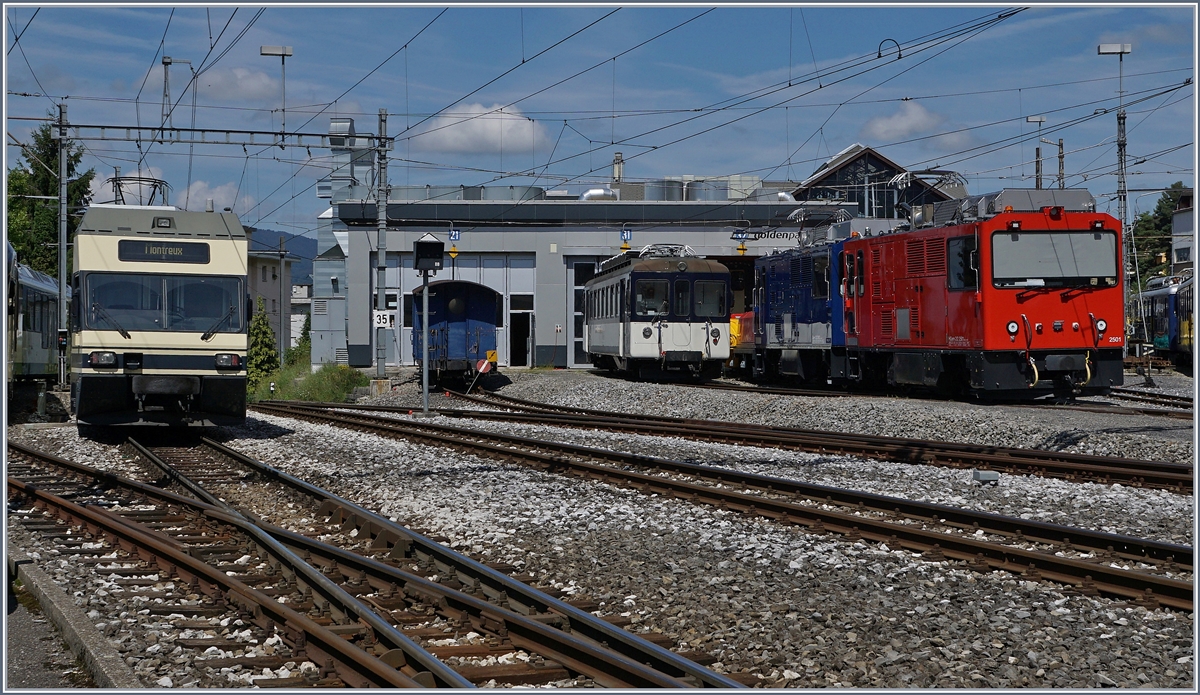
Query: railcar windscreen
pixel 1054 259
pixel 710 298
pixel 651 297
pixel 174 303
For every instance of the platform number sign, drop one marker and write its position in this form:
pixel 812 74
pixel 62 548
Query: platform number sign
pixel 455 235
pixel 626 235
pixel 384 319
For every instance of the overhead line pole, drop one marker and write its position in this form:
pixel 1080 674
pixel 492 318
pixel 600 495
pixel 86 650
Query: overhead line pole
pixel 381 196
pixel 63 275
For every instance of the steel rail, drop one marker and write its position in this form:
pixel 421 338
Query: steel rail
pixel 949 447
pixel 1170 476
pixel 354 666
pixel 1128 547
pixel 1069 405
pixel 949 451
pixel 1156 398
pixel 607 667
pixel 342 603
pixel 493 583
pixel 604 666
pixel 1112 581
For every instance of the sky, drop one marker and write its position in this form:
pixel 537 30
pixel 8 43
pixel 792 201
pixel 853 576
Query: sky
pixel 544 96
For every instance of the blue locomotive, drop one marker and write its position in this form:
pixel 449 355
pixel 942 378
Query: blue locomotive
pixel 463 317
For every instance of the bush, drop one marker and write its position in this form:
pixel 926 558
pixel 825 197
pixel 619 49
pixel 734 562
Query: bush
pixel 263 359
pixel 329 384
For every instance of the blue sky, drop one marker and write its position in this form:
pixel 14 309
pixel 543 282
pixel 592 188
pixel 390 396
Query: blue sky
pixel 769 91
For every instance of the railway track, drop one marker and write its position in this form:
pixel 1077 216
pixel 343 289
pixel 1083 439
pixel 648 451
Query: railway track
pixel 1092 569
pixel 1064 465
pixel 1177 407
pixel 1161 399
pixel 379 583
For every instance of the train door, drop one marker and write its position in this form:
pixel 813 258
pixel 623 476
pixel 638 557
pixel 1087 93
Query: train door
pixel 623 315
pixel 580 273
pixel 962 286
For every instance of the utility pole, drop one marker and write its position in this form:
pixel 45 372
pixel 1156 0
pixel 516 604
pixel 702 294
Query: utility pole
pixel 167 107
pixel 1119 50
pixel 1037 155
pixel 1037 152
pixel 63 274
pixel 282 339
pixel 1061 163
pixel 381 196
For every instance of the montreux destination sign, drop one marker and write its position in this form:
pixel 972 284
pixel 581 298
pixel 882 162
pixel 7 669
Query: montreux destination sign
pixel 162 251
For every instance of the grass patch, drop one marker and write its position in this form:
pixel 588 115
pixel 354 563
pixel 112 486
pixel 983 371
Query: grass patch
pixel 330 383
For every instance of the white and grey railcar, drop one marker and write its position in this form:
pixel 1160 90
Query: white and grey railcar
pixel 658 310
pixel 159 325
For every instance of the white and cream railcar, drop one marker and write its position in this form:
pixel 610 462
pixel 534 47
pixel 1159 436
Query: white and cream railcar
pixel 658 310
pixel 159 317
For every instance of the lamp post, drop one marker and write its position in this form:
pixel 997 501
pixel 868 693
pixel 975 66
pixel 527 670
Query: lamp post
pixel 283 52
pixel 1037 152
pixel 1119 50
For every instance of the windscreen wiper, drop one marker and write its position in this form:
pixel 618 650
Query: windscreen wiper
pixel 99 309
pixel 213 331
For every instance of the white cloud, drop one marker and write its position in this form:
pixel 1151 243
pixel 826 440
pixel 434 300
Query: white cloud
pixel 912 118
pixel 479 129
pixel 223 196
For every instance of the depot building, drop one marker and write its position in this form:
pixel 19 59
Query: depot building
pixel 539 247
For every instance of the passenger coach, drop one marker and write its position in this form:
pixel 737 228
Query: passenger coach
pixel 159 318
pixel 661 309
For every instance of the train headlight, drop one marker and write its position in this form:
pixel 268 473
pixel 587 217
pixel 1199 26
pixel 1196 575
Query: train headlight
pixel 716 333
pixel 1101 325
pixel 102 359
pixel 646 332
pixel 1012 327
pixel 228 360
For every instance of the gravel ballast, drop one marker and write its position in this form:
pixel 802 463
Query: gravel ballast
pixel 798 609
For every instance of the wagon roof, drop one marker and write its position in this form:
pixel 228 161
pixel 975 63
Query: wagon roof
pixel 138 220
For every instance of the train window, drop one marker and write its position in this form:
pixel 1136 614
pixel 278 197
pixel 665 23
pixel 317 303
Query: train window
pixel 651 297
pixel 820 276
pixel 859 274
pixel 195 303
pixel 683 298
pixel 1055 259
pixel 521 302
pixel 622 300
pixel 74 307
pixel 961 264
pixel 710 298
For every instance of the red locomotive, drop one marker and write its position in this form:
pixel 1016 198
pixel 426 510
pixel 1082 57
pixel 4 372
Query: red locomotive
pixel 1015 294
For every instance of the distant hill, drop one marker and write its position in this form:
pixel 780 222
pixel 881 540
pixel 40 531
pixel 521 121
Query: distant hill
pixel 303 248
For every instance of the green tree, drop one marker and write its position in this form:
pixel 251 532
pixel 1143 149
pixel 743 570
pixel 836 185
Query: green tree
pixel 1152 235
pixel 302 352
pixel 32 223
pixel 263 360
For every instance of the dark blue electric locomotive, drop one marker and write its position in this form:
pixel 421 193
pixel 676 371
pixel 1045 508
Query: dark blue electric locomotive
pixel 463 317
pixel 795 322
